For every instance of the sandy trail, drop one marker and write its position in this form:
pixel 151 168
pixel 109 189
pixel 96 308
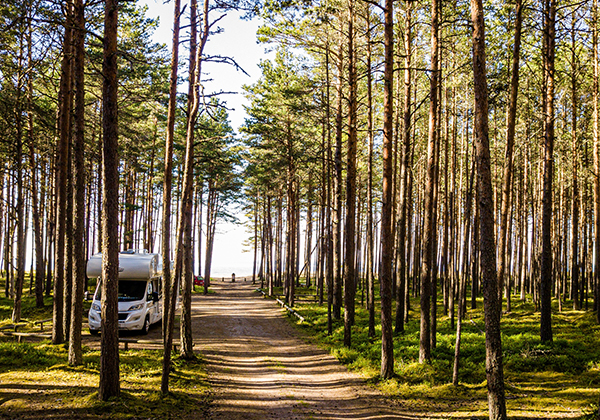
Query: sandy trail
pixel 260 367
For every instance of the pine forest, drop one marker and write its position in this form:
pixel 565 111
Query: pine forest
pixel 419 182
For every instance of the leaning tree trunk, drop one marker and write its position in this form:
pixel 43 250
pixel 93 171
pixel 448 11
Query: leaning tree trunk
pixel 166 216
pixel 109 345
pixel 493 342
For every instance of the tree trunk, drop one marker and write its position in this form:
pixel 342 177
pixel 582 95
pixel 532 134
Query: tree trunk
pixel 548 151
pixel 493 343
pixel 370 228
pixel 183 252
pixel 79 257
pixel 350 228
pixel 109 345
pixel 211 216
pixel 596 157
pixel 575 163
pixel 337 220
pixel 429 229
pixel 406 145
pixel 20 216
pixel 166 216
pixel 387 240
pixel 510 140
pixel 65 94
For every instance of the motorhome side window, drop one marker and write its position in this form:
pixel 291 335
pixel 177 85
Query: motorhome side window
pixel 149 295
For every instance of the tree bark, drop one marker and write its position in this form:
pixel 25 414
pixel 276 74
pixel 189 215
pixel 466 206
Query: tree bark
pixel 109 345
pixel 20 213
pixel 370 227
pixel 548 151
pixel 183 252
pixel 58 333
pixel 167 185
pixel 510 140
pixel 337 220
pixel 575 163
pixel 596 135
pixel 387 240
pixel 79 257
pixel 493 342
pixel 429 229
pixel 350 228
pixel 406 144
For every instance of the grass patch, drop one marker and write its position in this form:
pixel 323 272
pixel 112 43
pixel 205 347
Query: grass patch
pixel 556 380
pixel 39 383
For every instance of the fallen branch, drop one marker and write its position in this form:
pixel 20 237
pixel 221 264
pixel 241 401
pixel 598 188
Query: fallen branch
pixel 282 303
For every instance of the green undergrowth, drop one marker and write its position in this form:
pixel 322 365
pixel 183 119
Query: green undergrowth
pixel 560 379
pixel 37 382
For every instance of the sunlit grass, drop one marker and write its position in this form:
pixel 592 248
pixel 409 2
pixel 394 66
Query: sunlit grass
pixel 37 378
pixel 554 380
pixel 37 381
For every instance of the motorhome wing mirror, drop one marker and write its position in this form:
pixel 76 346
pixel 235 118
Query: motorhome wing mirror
pixel 155 296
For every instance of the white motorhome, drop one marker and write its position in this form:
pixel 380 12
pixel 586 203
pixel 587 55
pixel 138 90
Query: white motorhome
pixel 140 291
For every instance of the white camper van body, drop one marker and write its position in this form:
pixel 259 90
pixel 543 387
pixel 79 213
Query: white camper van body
pixel 140 291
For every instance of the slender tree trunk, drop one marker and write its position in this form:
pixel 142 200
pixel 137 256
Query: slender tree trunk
pixel 548 151
pixel 183 252
pixel 79 257
pixel 35 202
pixel 211 216
pixel 350 228
pixel 109 344
pixel 510 140
pixel 58 333
pixel 337 222
pixel 387 240
pixel 406 145
pixel 493 342
pixel 429 229
pixel 575 164
pixel 370 228
pixel 166 216
pixel 596 129
pixel 20 216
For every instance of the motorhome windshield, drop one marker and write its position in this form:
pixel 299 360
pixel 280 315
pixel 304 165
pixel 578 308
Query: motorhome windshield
pixel 129 290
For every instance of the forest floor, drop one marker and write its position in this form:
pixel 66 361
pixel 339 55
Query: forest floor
pixel 260 367
pixel 254 363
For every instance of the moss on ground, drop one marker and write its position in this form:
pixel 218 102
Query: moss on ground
pixel 556 380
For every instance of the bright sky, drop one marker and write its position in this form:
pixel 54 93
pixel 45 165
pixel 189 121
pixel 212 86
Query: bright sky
pixel 238 41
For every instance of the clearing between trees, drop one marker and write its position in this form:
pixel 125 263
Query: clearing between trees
pixel 260 368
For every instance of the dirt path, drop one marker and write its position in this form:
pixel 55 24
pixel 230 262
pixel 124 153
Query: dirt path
pixel 260 368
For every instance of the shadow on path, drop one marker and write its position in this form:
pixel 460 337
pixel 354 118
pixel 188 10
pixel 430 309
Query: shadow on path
pixel 260 368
